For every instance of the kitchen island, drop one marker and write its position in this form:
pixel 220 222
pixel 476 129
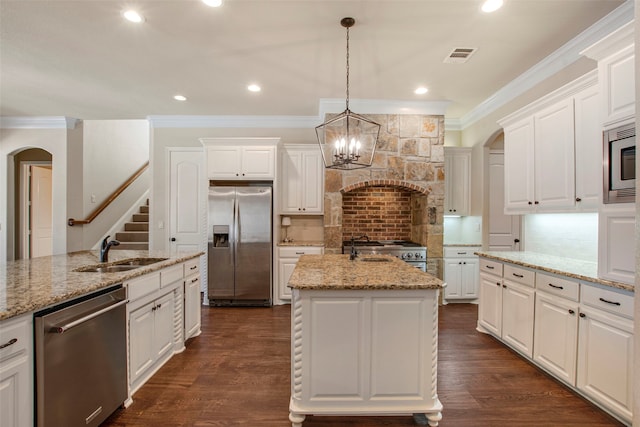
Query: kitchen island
pixel 364 338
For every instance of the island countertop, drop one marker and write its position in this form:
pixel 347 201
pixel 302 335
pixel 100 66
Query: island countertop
pixel 32 284
pixel 339 272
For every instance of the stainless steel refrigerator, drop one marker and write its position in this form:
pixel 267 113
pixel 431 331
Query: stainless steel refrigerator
pixel 240 245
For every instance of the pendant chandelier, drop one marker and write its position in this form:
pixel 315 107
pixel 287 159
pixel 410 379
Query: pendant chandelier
pixel 348 140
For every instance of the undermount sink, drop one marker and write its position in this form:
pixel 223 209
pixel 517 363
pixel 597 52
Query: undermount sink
pixel 375 259
pixel 119 266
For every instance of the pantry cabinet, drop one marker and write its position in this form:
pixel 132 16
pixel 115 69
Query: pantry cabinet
pixel 461 273
pixel 457 180
pixel 302 180
pixel 16 372
pixel 552 152
pixel 192 298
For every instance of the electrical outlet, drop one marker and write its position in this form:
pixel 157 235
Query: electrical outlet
pixel 161 224
pixel 93 198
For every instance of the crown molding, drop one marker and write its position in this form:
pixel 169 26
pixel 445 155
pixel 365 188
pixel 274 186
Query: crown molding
pixel 619 39
pixel 556 61
pixel 291 122
pixel 382 106
pixel 42 122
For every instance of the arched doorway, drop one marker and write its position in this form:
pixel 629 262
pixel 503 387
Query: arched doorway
pixel 33 173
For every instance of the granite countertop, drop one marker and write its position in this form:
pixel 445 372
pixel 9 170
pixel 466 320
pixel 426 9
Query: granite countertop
pixel 33 284
pixel 338 272
pixel 577 269
pixel 301 243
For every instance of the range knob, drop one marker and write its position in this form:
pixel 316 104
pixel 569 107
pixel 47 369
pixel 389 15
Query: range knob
pixel 403 256
pixel 409 256
pixel 417 255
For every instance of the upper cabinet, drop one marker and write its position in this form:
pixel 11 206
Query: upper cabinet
pixel 616 74
pixel 241 158
pixel 457 176
pixel 302 180
pixel 552 151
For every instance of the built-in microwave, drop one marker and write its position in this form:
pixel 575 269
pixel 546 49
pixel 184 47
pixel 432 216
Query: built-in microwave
pixel 619 165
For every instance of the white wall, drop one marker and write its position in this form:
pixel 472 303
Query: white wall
pixel 55 142
pixel 567 235
pixel 463 230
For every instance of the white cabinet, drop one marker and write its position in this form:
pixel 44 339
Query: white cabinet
pixel 241 158
pixel 302 180
pixel 287 259
pixel 616 243
pixel 605 348
pixel 16 372
pixel 517 316
pixel 192 299
pixel 553 157
pixel 556 335
pixel 457 176
pixel 490 304
pixel 461 273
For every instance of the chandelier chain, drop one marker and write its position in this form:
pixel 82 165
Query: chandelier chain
pixel 347 68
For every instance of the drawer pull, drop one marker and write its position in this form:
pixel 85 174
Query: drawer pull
pixel 8 343
pixel 462 253
pixel 555 286
pixel 489 267
pixel 194 280
pixel 299 253
pixel 194 267
pixel 518 275
pixel 609 302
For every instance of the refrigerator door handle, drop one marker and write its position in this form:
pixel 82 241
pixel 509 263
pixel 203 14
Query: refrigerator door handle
pixel 236 229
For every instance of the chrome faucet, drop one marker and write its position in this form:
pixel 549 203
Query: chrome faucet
pixel 104 248
pixel 354 254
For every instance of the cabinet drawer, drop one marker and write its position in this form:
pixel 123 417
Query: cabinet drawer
pixel 171 275
pixel 607 300
pixel 297 251
pixel 520 275
pixel 192 267
pixel 141 286
pixel 557 286
pixel 491 267
pixel 461 252
pixel 15 336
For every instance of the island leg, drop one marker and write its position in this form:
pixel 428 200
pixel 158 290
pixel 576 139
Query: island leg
pixel 297 419
pixel 434 418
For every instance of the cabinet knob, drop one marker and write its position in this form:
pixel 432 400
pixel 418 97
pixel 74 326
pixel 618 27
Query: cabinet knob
pixel 529 203
pixel 237 174
pixel 582 315
pixel 173 239
pixel 504 286
pixel 571 311
pixel 516 240
pixel 578 199
pixel 536 202
pixel 498 283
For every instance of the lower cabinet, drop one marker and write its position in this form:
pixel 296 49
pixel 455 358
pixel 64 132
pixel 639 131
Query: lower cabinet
pixel 287 259
pixel 579 332
pixel 461 273
pixel 556 335
pixel 150 338
pixel 192 299
pixel 16 372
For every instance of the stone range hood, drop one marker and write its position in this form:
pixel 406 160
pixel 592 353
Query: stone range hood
pixel 403 191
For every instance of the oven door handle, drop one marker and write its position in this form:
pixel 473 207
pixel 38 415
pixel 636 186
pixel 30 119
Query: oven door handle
pixel 66 327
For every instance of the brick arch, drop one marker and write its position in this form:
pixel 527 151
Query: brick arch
pixel 397 183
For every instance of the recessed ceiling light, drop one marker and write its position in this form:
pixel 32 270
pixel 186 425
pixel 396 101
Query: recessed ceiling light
pixel 421 90
pixel 180 98
pixel 491 5
pixel 254 88
pixel 213 3
pixel 133 16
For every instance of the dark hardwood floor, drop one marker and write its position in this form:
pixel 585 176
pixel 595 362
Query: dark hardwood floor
pixel 236 373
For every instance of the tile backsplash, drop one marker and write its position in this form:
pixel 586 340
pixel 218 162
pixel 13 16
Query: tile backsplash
pixel 567 235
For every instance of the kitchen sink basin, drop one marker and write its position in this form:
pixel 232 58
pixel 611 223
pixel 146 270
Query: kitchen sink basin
pixel 375 259
pixel 119 266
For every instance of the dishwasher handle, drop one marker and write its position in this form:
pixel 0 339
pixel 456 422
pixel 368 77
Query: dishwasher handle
pixel 64 328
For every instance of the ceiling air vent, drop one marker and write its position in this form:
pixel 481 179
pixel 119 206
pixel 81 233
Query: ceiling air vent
pixel 460 55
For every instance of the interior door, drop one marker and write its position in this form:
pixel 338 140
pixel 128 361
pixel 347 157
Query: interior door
pixel 41 211
pixel 187 201
pixel 504 230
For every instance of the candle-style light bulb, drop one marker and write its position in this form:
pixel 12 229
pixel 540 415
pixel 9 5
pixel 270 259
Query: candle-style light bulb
pixel 358 145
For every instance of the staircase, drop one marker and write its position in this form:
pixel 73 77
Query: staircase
pixel 136 233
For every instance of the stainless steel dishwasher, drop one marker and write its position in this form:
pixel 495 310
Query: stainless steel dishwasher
pixel 81 359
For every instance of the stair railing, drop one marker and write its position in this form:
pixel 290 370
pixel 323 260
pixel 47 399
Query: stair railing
pixel 110 199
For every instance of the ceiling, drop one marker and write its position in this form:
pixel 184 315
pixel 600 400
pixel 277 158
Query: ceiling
pixel 81 59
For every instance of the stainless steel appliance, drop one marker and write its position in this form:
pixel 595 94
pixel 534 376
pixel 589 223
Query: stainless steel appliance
pixel 619 165
pixel 81 360
pixel 410 252
pixel 240 248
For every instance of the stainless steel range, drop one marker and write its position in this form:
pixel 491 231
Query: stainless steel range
pixel 410 252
